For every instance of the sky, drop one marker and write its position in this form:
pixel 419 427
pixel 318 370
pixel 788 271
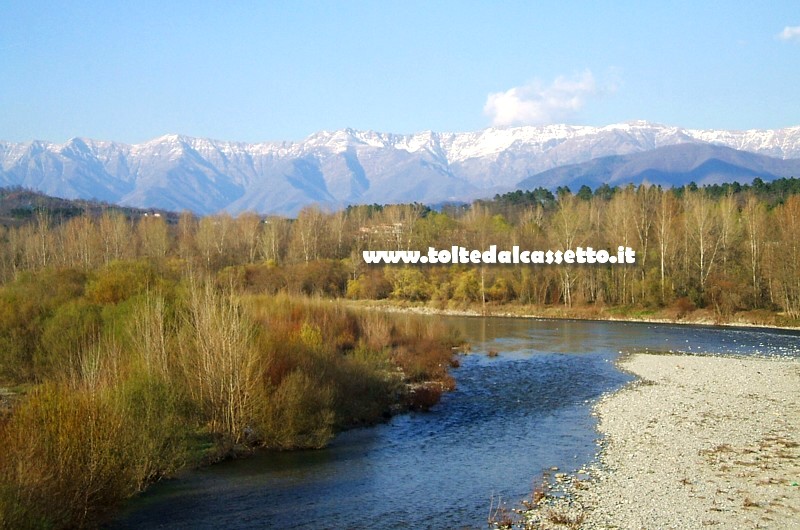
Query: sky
pixel 272 70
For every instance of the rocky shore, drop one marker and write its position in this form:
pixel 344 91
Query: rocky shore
pixel 696 442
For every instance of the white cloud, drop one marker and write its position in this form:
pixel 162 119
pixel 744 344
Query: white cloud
pixel 790 33
pixel 540 104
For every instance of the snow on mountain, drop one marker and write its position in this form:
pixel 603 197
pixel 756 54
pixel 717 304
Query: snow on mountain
pixel 336 168
pixel 671 165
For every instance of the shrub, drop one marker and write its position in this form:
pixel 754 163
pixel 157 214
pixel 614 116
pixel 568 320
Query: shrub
pixel 25 305
pixel 119 281
pixel 683 306
pixel 409 283
pixel 218 360
pixel 424 396
pixel 73 453
pixel 467 287
pixel 64 464
pixel 371 285
pixel 156 433
pixel 73 327
pixel 298 414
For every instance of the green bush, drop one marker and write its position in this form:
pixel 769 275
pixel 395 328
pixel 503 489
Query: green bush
pixel 25 305
pixel 73 454
pixel 299 414
pixel 73 327
pixel 119 281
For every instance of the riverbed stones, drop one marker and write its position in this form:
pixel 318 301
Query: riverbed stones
pixel 714 442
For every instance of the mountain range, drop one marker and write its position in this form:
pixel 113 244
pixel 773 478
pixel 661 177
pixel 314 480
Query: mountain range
pixel 668 166
pixel 334 169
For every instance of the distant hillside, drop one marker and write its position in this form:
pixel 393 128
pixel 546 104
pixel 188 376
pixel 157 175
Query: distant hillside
pixel 339 168
pixel 673 165
pixel 19 205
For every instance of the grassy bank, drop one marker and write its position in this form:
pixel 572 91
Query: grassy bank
pixel 124 374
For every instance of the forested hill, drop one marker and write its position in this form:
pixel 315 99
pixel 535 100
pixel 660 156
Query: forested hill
pixel 20 205
pixel 772 193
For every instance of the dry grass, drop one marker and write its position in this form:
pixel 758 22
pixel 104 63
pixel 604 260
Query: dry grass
pixel 564 517
pixel 499 515
pixel 200 362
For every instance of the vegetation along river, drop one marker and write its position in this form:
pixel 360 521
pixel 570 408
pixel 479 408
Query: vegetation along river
pixel 511 418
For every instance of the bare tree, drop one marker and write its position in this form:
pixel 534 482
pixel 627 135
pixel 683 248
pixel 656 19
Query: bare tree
pixel 308 233
pixel 79 243
pixel 621 230
pixel 570 223
pixel 153 236
pixel 646 201
pixel 214 239
pixel 666 222
pixel 219 360
pixel 786 255
pixel 187 230
pixel 115 236
pixel 755 223
pixel 705 232
pixel 248 227
pixel 275 238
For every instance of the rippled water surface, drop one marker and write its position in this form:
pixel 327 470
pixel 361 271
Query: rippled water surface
pixel 511 418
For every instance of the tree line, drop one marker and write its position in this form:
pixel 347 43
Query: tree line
pixel 726 248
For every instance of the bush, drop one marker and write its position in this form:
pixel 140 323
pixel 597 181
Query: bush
pixel 422 397
pixel 25 305
pixel 409 283
pixel 264 278
pixel 299 414
pixel 467 287
pixel 72 454
pixel 157 429
pixel 372 285
pixel 64 465
pixel 320 277
pixel 683 306
pixel 129 375
pixel 119 281
pixel 73 327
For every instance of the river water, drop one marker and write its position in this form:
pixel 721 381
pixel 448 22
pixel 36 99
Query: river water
pixel 511 418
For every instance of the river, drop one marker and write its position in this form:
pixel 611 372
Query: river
pixel 511 418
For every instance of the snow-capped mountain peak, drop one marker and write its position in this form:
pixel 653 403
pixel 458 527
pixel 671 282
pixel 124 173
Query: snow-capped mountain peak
pixel 342 166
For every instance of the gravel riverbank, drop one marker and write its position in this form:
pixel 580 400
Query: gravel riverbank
pixel 697 442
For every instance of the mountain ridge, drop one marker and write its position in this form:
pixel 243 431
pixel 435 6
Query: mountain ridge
pixel 672 165
pixel 346 166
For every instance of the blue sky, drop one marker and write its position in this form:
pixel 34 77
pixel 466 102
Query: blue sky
pixel 266 71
